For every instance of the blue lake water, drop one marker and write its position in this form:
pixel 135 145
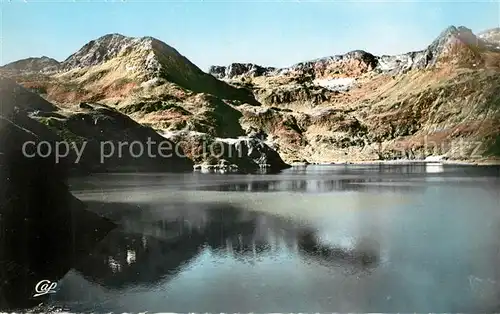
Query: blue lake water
pixel 340 238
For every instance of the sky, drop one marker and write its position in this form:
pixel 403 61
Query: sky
pixel 219 32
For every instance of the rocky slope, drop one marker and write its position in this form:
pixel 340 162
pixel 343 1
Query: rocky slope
pixel 442 100
pixel 85 128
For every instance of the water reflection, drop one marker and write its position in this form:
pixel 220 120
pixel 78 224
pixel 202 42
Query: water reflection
pixel 365 256
pixel 313 186
pixel 434 168
pixel 146 253
pixel 398 178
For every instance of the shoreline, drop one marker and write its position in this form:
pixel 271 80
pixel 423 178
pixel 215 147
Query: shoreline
pixel 400 161
pixel 209 170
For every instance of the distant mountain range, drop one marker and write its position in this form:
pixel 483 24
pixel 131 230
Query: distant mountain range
pixel 488 41
pixel 351 107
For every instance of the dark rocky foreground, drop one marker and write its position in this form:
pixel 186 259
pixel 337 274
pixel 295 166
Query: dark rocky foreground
pixel 44 229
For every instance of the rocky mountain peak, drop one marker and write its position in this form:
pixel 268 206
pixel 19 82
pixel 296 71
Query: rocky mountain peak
pixel 459 45
pixel 99 50
pixel 454 45
pixel 145 55
pixel 117 63
pixel 453 33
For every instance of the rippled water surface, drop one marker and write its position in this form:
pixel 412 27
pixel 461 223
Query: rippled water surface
pixel 422 238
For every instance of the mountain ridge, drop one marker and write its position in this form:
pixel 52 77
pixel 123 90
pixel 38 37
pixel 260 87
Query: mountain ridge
pixel 134 60
pixel 36 64
pixel 384 63
pixel 109 45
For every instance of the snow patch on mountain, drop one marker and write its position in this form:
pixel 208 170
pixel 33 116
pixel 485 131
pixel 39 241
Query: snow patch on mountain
pixel 336 84
pixel 173 134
